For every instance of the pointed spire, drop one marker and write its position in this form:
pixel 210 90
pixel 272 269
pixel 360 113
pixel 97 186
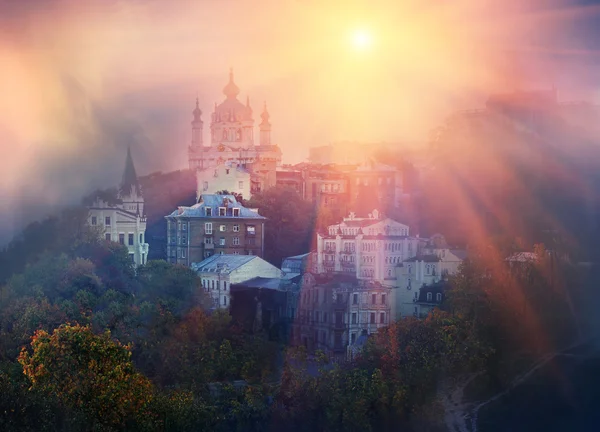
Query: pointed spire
pixel 231 90
pixel 129 182
pixel 197 111
pixel 265 116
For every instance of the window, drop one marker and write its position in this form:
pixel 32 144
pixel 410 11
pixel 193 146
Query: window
pixel 94 220
pixel 251 242
pixel 141 238
pixel 372 318
pixel 224 285
pixel 355 298
pixel 227 171
pixel 130 239
pixel 382 318
pixel 236 241
pixel 382 299
pixel 324 317
pixel 240 185
pixel 132 258
pixel 373 298
pixel 409 269
pixel 208 211
pixel 428 269
pixel 208 227
pixel 222 211
pixel 107 237
pixel 184 226
pixel 429 296
pixel 222 228
pixel 236 228
pixel 438 297
pixel 250 230
pixel 354 314
pixel 205 186
pixel 236 253
pixel 182 253
pixel 224 300
pixel 122 238
pixel 208 240
pixel 212 283
pixel 236 212
pixel 107 221
pixel 352 338
pixel 222 241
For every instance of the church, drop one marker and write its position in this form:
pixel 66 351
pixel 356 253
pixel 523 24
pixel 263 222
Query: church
pixel 232 143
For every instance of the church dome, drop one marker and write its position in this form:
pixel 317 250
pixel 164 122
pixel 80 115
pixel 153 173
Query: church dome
pixel 231 90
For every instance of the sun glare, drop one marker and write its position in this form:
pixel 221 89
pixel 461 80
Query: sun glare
pixel 362 39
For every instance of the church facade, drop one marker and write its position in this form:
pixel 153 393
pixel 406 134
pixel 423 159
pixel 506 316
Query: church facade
pixel 124 221
pixel 232 140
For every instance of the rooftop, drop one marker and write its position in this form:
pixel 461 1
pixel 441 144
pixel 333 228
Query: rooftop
pixel 222 263
pixel 215 202
pixel 426 258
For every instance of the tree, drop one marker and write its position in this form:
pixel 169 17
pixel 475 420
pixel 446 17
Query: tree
pixel 89 373
pixel 290 221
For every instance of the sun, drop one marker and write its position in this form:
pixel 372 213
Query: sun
pixel 362 39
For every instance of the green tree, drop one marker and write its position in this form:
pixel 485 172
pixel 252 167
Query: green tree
pixel 290 221
pixel 89 373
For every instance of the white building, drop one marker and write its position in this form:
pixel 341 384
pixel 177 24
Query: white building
pixel 232 139
pixel 368 248
pixel 435 261
pixel 124 221
pixel 218 272
pixel 228 176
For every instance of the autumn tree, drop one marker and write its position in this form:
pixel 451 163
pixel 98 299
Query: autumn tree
pixel 89 373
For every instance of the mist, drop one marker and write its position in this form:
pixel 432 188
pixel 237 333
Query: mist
pixel 82 81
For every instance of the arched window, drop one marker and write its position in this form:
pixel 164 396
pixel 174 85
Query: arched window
pixel 429 296
pixel 409 286
pixel 438 297
pixel 428 269
pixel 409 269
pixel 389 272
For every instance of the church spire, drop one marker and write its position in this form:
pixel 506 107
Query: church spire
pixel 129 183
pixel 231 90
pixel 265 127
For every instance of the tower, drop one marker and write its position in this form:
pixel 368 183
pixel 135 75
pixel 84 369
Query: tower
pixel 265 128
pixel 231 123
pixel 195 150
pixel 130 191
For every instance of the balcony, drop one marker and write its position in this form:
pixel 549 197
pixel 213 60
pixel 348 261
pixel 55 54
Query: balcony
pixel 209 246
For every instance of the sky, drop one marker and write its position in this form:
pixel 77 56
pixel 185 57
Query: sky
pixel 82 80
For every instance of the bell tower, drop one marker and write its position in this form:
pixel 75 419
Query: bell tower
pixel 195 150
pixel 265 128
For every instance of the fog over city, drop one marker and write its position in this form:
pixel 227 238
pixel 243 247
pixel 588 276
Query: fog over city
pixel 81 81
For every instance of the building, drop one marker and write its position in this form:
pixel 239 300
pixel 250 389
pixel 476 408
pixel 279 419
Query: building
pixel 334 310
pixel 124 221
pixel 232 140
pixel 263 304
pixel 383 181
pixel 435 261
pixel 228 176
pixel 366 248
pixel 217 224
pixel 219 272
pixel 300 264
pixel 429 298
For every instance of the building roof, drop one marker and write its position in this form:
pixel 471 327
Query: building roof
pixel 129 182
pixel 439 287
pixel 426 258
pixel 215 201
pixel 260 282
pixel 522 257
pixel 222 263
